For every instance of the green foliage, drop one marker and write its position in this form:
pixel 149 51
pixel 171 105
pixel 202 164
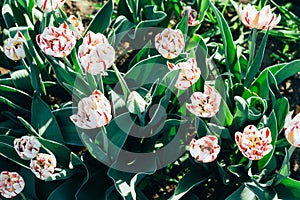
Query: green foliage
pixel 145 154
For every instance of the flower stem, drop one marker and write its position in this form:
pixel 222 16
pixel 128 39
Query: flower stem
pixel 105 140
pixel 252 46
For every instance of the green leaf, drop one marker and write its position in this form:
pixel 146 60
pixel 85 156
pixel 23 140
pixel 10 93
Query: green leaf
pixel 288 70
pixel 272 124
pixel 193 178
pixel 141 55
pixel 183 24
pixel 243 193
pixel 121 27
pixel 102 19
pixel 8 151
pixel 203 6
pixel 232 61
pixel 284 170
pixel 67 127
pixel 255 66
pixel 280 104
pixel 15 98
pixel 66 190
pixel 288 189
pixel 44 121
pixel 241 113
pixel 147 71
pixel 262 193
pixel 126 183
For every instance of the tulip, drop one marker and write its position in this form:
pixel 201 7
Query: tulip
pixel 27 147
pixel 43 165
pixel 205 104
pixel 77 25
pixel 11 184
pixel 262 19
pixel 49 5
pixel 169 43
pixel 135 103
pixel 189 73
pixel 93 111
pixel 13 47
pixel 96 54
pixel 205 149
pixel 57 42
pixel 254 144
pixel 292 129
pixel 192 16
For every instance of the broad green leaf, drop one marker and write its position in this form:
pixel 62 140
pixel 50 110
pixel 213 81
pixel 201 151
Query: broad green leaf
pixel 203 5
pixel 141 55
pixel 288 189
pixel 126 183
pixel 67 127
pixel 232 61
pixel 183 24
pixel 288 70
pixel 272 125
pixel 147 71
pixel 44 121
pixel 102 19
pixel 8 151
pixel 66 190
pixel 280 104
pixel 241 113
pixel 121 27
pixel 284 170
pixel 193 178
pixel 255 66
pixel 15 98
pixel 262 193
pixel 242 193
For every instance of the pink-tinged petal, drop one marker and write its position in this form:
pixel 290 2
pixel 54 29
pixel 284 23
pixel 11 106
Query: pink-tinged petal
pixel 205 149
pixel 43 165
pixel 93 111
pixel 169 43
pixel 189 73
pixel 14 47
pixel 49 5
pixel 11 184
pixel 254 144
pixel 77 25
pixel 262 19
pixel 205 104
pixel 57 42
pixel 95 53
pixel 192 16
pixel 27 147
pixel 292 129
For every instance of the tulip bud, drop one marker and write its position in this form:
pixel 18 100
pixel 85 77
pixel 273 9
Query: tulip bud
pixel 57 42
pixel 43 165
pixel 49 5
pixel 262 19
pixel 93 111
pixel 205 149
pixel 14 47
pixel 135 103
pixel 169 43
pixel 292 129
pixel 11 184
pixel 27 147
pixel 253 143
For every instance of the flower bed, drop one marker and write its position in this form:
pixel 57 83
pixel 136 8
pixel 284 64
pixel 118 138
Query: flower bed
pixel 191 115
